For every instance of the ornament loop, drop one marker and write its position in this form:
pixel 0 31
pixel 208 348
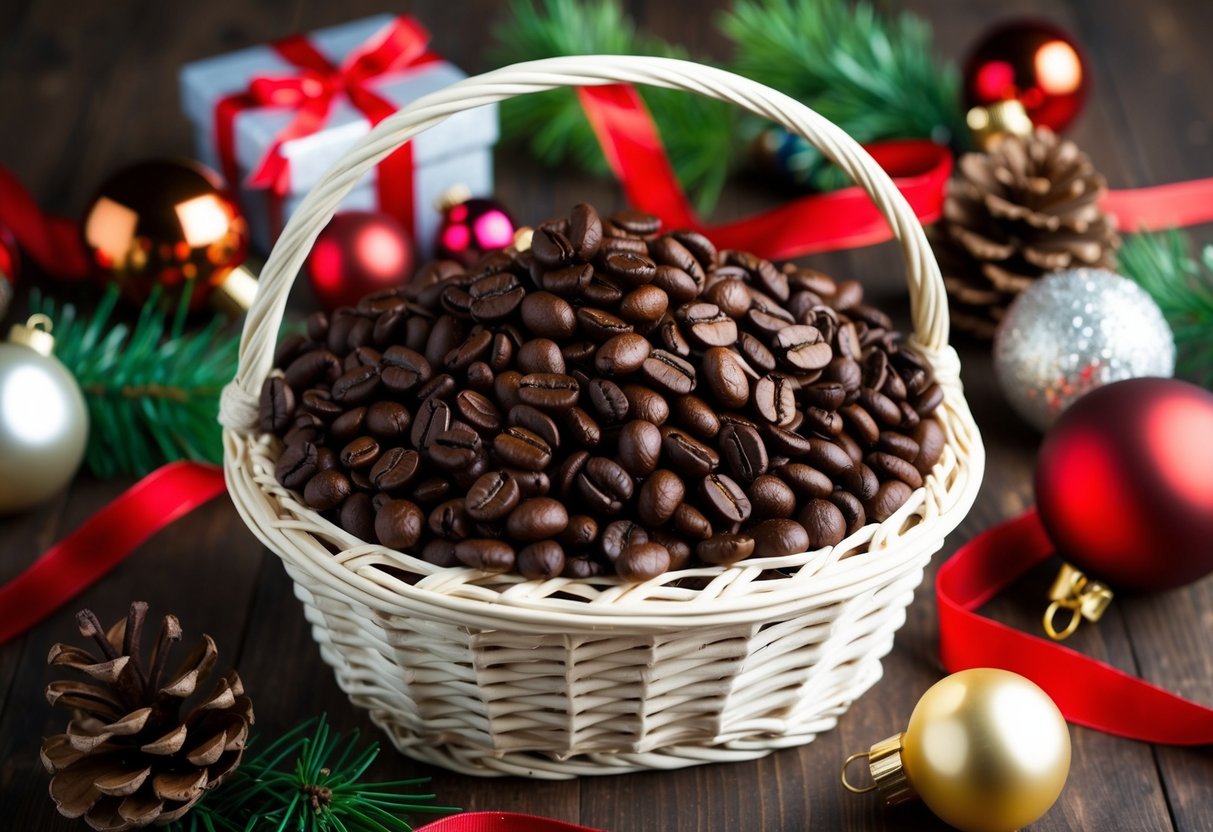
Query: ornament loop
pixel 40 321
pixel 846 784
pixel 1068 630
pixel 1073 591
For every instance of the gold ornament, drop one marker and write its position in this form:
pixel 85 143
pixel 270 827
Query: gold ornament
pixel 43 418
pixel 986 750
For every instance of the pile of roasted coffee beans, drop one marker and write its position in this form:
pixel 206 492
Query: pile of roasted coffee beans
pixel 614 399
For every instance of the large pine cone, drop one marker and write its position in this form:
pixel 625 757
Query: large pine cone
pixel 1028 207
pixel 128 758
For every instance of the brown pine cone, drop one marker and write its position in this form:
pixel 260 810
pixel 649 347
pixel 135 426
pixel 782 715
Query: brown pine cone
pixel 1028 207
pixel 129 759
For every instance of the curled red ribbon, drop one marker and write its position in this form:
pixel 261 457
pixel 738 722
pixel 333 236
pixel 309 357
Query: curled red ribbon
pixel 1088 692
pixel 54 243
pixel 501 822
pixel 103 541
pixel 311 95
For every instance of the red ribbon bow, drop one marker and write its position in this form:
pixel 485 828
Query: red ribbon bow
pixel 312 93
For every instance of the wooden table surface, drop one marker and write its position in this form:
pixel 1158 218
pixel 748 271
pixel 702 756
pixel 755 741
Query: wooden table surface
pixel 87 87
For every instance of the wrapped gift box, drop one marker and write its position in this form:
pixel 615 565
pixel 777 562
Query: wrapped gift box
pixel 458 151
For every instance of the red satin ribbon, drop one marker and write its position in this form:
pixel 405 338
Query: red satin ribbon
pixel 54 243
pixel 104 541
pixel 1088 692
pixel 501 822
pixel 311 95
pixel 1162 206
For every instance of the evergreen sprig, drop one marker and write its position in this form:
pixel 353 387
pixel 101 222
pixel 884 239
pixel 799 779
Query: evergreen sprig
pixel 698 133
pixel 152 390
pixel 309 780
pixel 1183 289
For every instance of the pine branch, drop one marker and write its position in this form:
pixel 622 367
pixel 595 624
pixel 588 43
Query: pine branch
pixel 152 390
pixel 698 133
pixel 1163 265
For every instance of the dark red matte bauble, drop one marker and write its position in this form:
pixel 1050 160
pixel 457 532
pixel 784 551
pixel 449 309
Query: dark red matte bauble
pixel 1124 483
pixel 473 228
pixel 1031 61
pixel 357 253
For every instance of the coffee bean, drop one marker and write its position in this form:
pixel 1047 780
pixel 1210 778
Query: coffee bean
pixel 492 496
pixel 432 491
pixel 602 291
pixel 522 448
pixel 536 519
pixel 744 452
pixel 440 553
pixel 786 441
pixel 670 337
pixel 679 286
pixel 660 496
pixel 551 248
pixel 861 423
pixel 604 485
pixel 580 533
pixel 647 404
pixel 697 416
pixel 433 417
pixel 360 453
pixel 404 369
pixel 852 510
pixel 679 549
pixel 827 395
pixel 600 325
pixel 582 428
pixel 530 483
pixel 890 466
pixel 622 354
pixel 898 444
pixel 632 268
pixel 700 246
pixel 619 535
pixel 771 497
pixel 311 368
pixel 569 282
pixel 541 355
pixel 485 554
pixel 449 519
pixel 585 231
pixel 356 386
pixel 849 446
pixel 506 388
pixel 670 252
pixel 931 441
pixel 639 447
pixel 755 352
pixel 726 498
pixel 692 522
pixel 608 400
pixel 542 560
pixel 536 421
pixel 548 315
pixel 643 561
pixel 320 404
pixel 644 304
pixel 566 476
pixel 732 296
pixel 805 480
pixel 725 549
pixel 687 454
pixel 707 326
pixel 892 495
pixel 844 371
pixel 387 420
pixel 824 522
pixel 455 449
pixel 327 489
pixel 478 410
pixel 802 347
pixel 829 458
pixel 277 405
pixel 548 391
pixel 928 400
pixel 395 469
pixel 581 568
pixel 824 422
pixel 669 372
pixel 474 348
pixel 883 409
pixel 775 398
pixel 778 538
pixel 724 375
pixel 357 516
pixel 636 222
pixel 398 524
pixel 297 465
pixel 348 425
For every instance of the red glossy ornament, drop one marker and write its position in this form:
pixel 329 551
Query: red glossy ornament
pixel 1033 62
pixel 164 223
pixel 357 253
pixel 472 227
pixel 10 255
pixel 1124 483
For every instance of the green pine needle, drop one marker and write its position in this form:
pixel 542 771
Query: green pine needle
pixel 310 780
pixel 1183 289
pixel 876 77
pixel 699 133
pixel 152 390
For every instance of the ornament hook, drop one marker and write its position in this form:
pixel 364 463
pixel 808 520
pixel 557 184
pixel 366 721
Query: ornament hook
pixel 1074 591
pixel 846 784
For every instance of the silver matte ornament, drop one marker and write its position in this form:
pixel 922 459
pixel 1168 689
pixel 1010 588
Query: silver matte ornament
pixel 43 418
pixel 1073 331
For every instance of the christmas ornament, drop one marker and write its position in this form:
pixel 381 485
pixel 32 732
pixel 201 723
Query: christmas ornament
pixel 170 224
pixel 357 253
pixel 1072 332
pixel 1029 207
pixel 9 263
pixel 471 227
pixel 130 758
pixel 43 420
pixel 1124 486
pixel 986 750
pixel 1031 62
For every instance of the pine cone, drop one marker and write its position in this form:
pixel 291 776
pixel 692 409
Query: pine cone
pixel 1028 207
pixel 128 758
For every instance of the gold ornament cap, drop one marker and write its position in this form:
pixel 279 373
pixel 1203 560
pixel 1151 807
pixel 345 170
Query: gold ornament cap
pixel 990 124
pixel 887 770
pixel 522 238
pixel 35 333
pixel 236 293
pixel 452 196
pixel 1083 597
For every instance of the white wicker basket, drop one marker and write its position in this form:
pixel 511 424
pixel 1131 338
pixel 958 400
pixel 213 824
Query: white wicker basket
pixel 493 674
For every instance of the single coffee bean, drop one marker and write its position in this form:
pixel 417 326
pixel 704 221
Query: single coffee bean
pixel 618 535
pixel 348 425
pixel 455 449
pixel 522 448
pixel 883 409
pixel 311 368
pixel 771 497
pixel 433 417
pixel 679 286
pixel 829 457
pixel 850 446
pixel 432 491
pixel 599 325
pixel 506 387
pixel 639 447
pixel 692 522
pixel 643 561
pixel 356 386
pixel 478 411
pixel 455 300
pixel 569 282
pixel 570 469
pixel 340 326
pixel 724 549
pixel 726 498
pixel 644 304
pixel 551 248
pixel 635 223
pixel 327 489
pixel 486 555
pixel 707 325
pixel 536 519
pixel 775 399
pixel 548 391
pixel 492 496
pixel 581 568
pixel 928 400
pixel 931 441
pixel 723 374
pixel 824 522
pixel 449 519
pixel 608 400
pixel 898 444
pixel 760 358
pixel 387 420
pixel 363 452
pixel 585 231
pixel 474 348
pixel 805 480
pixel 548 316
pixel 894 467
pixel 778 538
pixel 861 423
pixel 660 496
pixel 395 469
pixel 732 296
pixel 697 416
pixel 361 481
pixel 867 484
pixel 580 533
pixel 669 372
pixel 441 553
pixel 669 251
pixel 688 455
pixel 357 516
pixel 824 422
pixel 802 347
pixel 277 405
pixel 645 403
pixel 326 459
pixel 744 452
pixel 530 483
pixel 700 246
pixel 622 354
pixel 632 268
pixel 679 549
pixel 542 560
pixel 892 495
pixel 844 371
pixel 541 355
pixel 536 421
pixel 579 354
pixel 319 403
pixel 827 395
pixel 495 297
pixel 852 510
pixel 404 369
pixel 297 465
pixel 669 335
pixel 603 291
pixel 581 428
pixel 604 485
pixel 786 441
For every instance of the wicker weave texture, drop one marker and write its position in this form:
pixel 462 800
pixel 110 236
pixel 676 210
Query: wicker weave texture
pixel 493 674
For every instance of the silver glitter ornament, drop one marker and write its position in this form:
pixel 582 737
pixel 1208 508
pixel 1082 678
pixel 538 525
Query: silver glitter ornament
pixel 1073 331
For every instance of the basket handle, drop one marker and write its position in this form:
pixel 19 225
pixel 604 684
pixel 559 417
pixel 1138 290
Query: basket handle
pixel 928 301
